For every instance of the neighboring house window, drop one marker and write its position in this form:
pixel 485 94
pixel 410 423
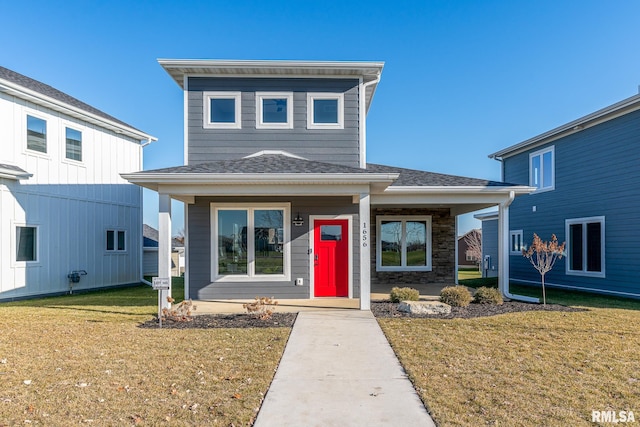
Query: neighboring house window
pixel 515 242
pixel 542 169
pixel 403 243
pixel 222 110
pixel 585 246
pixel 250 242
pixel 36 134
pixel 73 144
pixel 469 256
pixel 274 110
pixel 26 243
pixel 116 241
pixel 325 111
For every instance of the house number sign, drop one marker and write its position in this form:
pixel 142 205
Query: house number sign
pixel 365 237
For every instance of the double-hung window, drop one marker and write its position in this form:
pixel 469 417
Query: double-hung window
pixel 585 246
pixel 222 110
pixel 116 241
pixel 36 134
pixel 325 110
pixel 403 243
pixel 274 110
pixel 515 242
pixel 250 242
pixel 26 243
pixel 73 144
pixel 542 169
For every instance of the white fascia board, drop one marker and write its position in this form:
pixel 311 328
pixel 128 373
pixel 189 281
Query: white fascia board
pixel 487 216
pixel 9 174
pixel 191 191
pixel 611 112
pixel 518 189
pixel 257 178
pixel 54 104
pixel 449 196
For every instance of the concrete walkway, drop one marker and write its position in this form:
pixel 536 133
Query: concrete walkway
pixel 339 370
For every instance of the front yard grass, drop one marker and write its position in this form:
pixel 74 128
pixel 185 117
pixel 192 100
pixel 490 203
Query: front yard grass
pixel 82 359
pixel 525 369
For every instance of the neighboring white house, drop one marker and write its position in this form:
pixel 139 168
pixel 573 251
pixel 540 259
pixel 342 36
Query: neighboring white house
pixel 63 206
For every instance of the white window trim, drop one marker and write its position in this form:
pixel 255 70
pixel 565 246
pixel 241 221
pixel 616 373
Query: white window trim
pixel 516 233
pixel 115 242
pixel 251 276
pixel 584 272
pixel 14 241
pixel 311 96
pixel 206 117
pixel 260 96
pixel 29 151
pixel 403 219
pixel 553 169
pixel 64 144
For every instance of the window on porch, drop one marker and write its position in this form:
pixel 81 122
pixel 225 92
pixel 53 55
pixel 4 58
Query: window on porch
pixel 403 243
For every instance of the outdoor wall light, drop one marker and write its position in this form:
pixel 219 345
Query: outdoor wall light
pixel 298 221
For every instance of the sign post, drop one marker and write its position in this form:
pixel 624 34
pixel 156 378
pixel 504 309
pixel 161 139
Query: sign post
pixel 160 284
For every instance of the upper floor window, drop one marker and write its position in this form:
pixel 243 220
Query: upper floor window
pixel 36 134
pixel 585 246
pixel 403 243
pixel 73 144
pixel 325 111
pixel 222 110
pixel 274 110
pixel 116 241
pixel 515 242
pixel 541 169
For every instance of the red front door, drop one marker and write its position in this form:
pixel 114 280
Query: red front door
pixel 331 258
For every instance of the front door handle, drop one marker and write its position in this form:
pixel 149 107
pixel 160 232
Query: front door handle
pixel 316 257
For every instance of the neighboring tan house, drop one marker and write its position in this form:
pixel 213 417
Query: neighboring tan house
pixel 64 209
pixel 490 259
pixel 280 199
pixel 587 179
pixel 466 257
pixel 150 253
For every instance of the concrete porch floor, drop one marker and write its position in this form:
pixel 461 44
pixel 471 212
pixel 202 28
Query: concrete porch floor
pixel 429 291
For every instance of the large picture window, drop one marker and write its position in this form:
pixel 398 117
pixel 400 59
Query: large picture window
pixel 541 169
pixel 403 243
pixel 585 246
pixel 250 242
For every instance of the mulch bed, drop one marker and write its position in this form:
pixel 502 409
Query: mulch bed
pixel 390 309
pixel 210 321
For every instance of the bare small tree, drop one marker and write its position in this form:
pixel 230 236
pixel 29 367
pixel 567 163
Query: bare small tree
pixel 473 240
pixel 546 254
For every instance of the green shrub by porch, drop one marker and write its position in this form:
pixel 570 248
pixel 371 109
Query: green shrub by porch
pixel 456 296
pixel 486 295
pixel 404 294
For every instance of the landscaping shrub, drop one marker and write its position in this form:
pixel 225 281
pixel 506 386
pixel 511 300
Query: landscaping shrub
pixel 486 295
pixel 404 294
pixel 262 308
pixel 456 296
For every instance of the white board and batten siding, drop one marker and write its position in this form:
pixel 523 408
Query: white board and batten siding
pixel 72 204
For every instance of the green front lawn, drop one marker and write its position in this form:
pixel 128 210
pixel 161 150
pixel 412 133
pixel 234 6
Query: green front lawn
pixel 525 369
pixel 83 359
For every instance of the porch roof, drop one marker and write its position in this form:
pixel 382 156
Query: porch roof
pixel 13 172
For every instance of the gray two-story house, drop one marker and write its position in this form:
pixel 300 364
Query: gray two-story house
pixel 587 179
pixel 280 199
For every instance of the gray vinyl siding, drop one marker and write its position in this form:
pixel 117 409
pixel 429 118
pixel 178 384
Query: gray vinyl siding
pixel 490 247
pixel 325 145
pixel 199 262
pixel 597 173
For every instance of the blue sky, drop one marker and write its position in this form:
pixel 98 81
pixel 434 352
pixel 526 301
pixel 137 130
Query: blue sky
pixel 462 79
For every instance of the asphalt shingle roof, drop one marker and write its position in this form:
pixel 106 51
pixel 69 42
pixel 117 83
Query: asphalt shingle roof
pixel 13 168
pixel 51 92
pixel 278 163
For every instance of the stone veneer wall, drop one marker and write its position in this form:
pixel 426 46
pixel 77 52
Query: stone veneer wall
pixel 443 232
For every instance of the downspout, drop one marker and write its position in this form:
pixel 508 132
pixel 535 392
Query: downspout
pixel 363 127
pixel 503 280
pixel 142 279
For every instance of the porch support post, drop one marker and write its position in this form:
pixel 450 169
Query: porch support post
pixel 164 245
pixel 503 245
pixel 365 252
